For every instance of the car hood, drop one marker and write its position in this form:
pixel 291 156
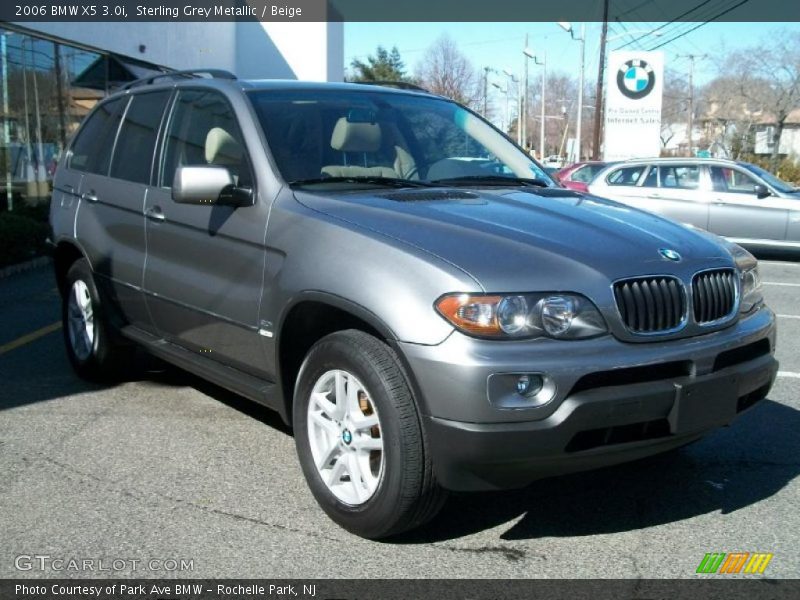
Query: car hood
pixel 527 239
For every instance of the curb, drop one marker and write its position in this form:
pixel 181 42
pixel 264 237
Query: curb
pixel 29 265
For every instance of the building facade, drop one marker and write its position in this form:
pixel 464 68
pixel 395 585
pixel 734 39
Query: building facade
pixel 52 74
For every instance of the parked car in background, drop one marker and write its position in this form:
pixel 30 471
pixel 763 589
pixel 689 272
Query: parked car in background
pixel 737 200
pixel 578 175
pixel 554 160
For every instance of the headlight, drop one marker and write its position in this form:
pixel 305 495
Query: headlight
pixel 522 316
pixel 751 290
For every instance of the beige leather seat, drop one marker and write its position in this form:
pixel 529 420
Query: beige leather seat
pixel 222 149
pixel 365 138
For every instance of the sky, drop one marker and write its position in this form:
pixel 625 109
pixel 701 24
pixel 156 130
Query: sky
pixel 500 45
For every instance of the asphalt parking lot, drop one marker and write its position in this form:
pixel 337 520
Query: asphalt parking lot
pixel 168 467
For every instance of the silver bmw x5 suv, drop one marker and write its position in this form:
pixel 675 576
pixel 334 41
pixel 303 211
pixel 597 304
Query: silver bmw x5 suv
pixel 403 284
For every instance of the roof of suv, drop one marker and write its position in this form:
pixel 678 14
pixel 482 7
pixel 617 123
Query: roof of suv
pixel 218 76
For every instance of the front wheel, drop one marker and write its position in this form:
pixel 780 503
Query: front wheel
pixel 359 437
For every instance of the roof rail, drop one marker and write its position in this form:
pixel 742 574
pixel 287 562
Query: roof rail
pixel 401 85
pixel 189 73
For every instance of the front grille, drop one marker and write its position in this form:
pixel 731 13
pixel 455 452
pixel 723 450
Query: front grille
pixel 651 304
pixel 714 294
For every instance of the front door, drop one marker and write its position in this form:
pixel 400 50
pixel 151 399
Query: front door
pixel 205 264
pixel 738 213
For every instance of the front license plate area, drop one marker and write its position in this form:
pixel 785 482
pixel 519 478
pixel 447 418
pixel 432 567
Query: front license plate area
pixel 703 405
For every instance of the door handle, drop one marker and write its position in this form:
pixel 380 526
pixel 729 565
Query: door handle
pixel 719 203
pixel 154 214
pixel 89 196
pixel 654 196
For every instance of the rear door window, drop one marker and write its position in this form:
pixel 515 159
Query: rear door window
pixel 683 177
pixel 92 149
pixel 133 155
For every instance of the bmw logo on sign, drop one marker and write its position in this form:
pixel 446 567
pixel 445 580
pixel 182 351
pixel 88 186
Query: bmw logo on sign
pixel 636 79
pixel 669 254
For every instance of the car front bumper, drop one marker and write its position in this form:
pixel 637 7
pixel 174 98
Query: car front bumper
pixel 614 401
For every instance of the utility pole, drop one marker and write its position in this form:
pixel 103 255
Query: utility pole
pixel 580 95
pixel 598 105
pixel 567 26
pixel 544 88
pixel 692 58
pixel 486 92
pixel 524 98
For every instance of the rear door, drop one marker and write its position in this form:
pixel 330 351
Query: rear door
pixel 737 212
pixel 110 221
pixel 677 191
pixel 205 264
pixel 108 226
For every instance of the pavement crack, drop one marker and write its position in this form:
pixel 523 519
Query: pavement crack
pixel 181 502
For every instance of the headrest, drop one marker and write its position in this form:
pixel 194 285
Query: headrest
pixel 356 137
pixel 222 148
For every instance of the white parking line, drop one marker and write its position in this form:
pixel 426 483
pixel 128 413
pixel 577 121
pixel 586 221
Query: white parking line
pixel 788 316
pixel 789 374
pixel 781 283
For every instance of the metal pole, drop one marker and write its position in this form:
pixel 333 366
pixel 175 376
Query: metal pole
pixel 40 157
pixel 544 86
pixel 28 145
pixel 598 105
pixel 525 98
pixel 485 92
pixel 508 113
pixel 578 122
pixel 519 112
pixel 62 125
pixel 6 132
pixel 691 101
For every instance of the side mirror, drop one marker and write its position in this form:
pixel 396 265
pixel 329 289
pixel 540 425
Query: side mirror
pixel 208 185
pixel 761 191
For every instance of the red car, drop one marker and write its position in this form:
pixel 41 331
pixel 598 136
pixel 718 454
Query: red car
pixel 578 175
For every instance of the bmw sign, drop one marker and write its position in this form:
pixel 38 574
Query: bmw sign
pixel 636 79
pixel 634 88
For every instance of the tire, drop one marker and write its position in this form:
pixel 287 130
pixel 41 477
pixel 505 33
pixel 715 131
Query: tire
pixel 95 349
pixel 397 490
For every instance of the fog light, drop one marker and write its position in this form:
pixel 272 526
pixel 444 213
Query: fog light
pixel 529 385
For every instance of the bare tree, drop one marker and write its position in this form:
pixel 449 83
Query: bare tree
pixel 674 105
pixel 769 76
pixel 728 116
pixel 444 70
pixel 560 105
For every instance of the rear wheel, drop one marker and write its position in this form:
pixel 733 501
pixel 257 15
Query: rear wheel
pixel 359 438
pixel 95 350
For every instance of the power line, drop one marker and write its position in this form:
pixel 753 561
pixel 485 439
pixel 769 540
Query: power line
pixel 691 10
pixel 714 18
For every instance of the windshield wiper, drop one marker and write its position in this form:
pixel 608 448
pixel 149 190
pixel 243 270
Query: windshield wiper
pixel 373 180
pixel 494 180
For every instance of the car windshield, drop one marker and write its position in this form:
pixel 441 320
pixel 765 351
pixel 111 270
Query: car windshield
pixel 370 137
pixel 772 180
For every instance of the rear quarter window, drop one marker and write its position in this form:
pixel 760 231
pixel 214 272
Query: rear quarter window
pixel 133 154
pixel 626 176
pixel 91 150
